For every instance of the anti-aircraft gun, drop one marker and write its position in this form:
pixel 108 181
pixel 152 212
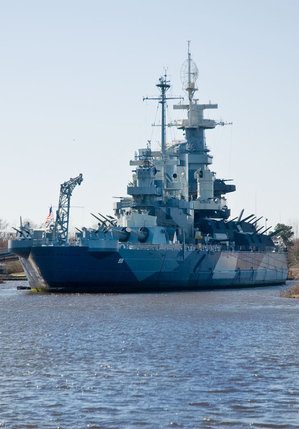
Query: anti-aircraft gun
pixel 61 228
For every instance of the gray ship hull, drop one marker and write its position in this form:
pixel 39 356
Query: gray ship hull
pixel 147 268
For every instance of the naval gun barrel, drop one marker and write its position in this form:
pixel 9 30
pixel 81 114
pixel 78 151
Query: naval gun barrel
pixel 18 230
pixel 123 234
pixel 111 217
pixel 97 218
pixel 263 232
pixel 275 233
pixel 108 220
pixel 240 215
pixel 23 231
pixel 259 218
pixel 260 229
pixel 102 223
pixel 231 220
pixel 248 217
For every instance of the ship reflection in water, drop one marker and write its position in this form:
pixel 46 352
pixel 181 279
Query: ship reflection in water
pixel 193 360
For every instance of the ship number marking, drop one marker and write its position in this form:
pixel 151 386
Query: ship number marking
pixel 120 261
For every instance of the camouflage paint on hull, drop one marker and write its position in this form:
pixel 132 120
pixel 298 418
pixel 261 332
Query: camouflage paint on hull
pixel 81 269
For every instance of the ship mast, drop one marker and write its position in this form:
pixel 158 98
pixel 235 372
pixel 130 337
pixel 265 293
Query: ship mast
pixel 192 76
pixel 164 86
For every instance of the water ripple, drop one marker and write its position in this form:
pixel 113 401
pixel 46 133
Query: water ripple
pixel 190 360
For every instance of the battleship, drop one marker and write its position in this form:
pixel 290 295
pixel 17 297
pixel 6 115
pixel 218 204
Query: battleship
pixel 172 232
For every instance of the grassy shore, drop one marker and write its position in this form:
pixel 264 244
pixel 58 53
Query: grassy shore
pixel 293 271
pixel 293 263
pixel 291 292
pixel 13 271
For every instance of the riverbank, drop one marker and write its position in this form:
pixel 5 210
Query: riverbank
pixel 10 266
pixel 291 292
pixel 293 272
pixel 12 276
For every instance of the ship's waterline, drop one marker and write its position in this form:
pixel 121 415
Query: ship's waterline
pixel 53 268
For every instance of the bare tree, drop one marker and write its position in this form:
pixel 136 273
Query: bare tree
pixel 3 224
pixel 3 233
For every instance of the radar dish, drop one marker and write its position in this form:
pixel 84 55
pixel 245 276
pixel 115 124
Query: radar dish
pixel 189 75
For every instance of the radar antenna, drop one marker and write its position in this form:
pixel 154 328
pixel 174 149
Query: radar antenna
pixel 63 212
pixel 189 75
pixel 164 86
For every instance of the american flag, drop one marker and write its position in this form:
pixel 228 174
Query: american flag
pixel 49 216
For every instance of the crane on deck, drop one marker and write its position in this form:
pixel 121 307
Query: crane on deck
pixel 63 213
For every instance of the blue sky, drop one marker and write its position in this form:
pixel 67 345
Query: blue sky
pixel 73 74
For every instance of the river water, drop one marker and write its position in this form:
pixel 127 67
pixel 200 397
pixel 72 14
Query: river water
pixel 153 360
